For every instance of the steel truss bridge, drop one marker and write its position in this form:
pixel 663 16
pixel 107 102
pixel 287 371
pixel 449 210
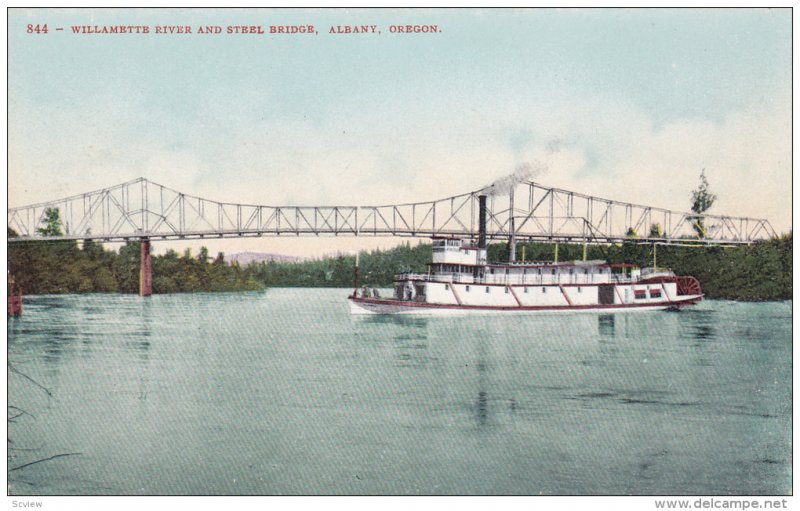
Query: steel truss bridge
pixel 144 210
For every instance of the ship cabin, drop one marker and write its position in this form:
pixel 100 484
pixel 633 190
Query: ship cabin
pixel 456 260
pixel 454 251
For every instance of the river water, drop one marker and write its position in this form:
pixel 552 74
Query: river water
pixel 282 392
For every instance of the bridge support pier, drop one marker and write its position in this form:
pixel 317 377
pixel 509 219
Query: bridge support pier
pixel 145 268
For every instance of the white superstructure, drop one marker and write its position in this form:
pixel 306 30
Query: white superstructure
pixel 460 280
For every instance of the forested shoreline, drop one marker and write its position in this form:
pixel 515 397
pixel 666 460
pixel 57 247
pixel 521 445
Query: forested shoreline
pixel 761 271
pixel 60 267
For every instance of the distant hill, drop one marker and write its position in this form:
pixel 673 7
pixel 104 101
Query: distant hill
pixel 245 258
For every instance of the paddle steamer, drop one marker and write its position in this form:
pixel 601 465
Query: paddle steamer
pixel 460 281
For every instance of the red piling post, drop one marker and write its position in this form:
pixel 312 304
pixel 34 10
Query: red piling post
pixel 14 297
pixel 15 305
pixel 145 269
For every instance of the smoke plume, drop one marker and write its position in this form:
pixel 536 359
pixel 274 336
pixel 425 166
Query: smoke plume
pixel 523 172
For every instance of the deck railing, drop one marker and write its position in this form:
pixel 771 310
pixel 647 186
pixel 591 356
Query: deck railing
pixel 529 279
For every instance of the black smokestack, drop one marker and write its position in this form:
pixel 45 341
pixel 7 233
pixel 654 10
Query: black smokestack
pixel 481 221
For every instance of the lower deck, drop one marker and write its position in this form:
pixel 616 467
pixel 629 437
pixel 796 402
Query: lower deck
pixel 413 297
pixel 569 295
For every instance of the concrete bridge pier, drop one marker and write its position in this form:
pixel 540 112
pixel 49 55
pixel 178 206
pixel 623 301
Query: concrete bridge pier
pixel 145 268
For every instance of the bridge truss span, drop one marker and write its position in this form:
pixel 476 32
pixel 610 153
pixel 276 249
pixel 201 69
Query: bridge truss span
pixel 142 209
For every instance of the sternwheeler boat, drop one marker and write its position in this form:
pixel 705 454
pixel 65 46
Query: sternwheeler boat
pixel 460 281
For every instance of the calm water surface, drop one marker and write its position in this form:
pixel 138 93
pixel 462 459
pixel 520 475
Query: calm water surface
pixel 284 393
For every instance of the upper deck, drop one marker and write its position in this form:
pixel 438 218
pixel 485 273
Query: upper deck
pixel 457 260
pixel 456 251
pixel 576 272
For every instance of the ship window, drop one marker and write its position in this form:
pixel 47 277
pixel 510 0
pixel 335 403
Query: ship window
pixel 487 289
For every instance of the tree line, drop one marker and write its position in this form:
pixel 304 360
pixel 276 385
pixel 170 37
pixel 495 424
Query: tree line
pixel 55 267
pixel 761 271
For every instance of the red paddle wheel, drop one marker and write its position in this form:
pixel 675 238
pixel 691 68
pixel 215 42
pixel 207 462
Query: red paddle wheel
pixel 689 286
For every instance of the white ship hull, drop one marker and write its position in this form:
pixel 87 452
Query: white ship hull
pixel 370 306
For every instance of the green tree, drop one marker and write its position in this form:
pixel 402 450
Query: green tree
pixel 702 200
pixel 92 249
pixel 203 255
pixel 126 267
pixel 656 231
pixel 52 223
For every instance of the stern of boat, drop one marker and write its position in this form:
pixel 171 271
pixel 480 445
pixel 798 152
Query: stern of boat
pixel 689 290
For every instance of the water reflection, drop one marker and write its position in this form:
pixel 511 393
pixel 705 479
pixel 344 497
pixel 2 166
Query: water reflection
pixel 605 325
pixel 14 327
pixel 482 407
pixel 492 370
pixel 141 346
pixel 703 332
pixel 701 324
pixel 392 319
pixel 54 347
pixel 142 343
pixel 407 335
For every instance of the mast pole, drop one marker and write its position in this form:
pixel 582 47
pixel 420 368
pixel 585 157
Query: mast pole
pixel 654 256
pixel 512 240
pixel 355 278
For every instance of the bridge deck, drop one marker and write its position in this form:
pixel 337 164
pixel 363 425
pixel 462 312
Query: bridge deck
pixel 142 209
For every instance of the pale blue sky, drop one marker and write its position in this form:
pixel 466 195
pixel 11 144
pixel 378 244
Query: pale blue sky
pixel 636 101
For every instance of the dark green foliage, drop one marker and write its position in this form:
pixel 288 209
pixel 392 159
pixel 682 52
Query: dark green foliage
pixel 762 271
pixel 376 269
pixel 656 231
pixel 187 274
pixel 50 274
pixel 702 200
pixel 52 223
pixel 61 267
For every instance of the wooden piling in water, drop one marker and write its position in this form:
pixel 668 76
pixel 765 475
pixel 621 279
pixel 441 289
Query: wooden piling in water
pixel 145 269
pixel 15 305
pixel 14 297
